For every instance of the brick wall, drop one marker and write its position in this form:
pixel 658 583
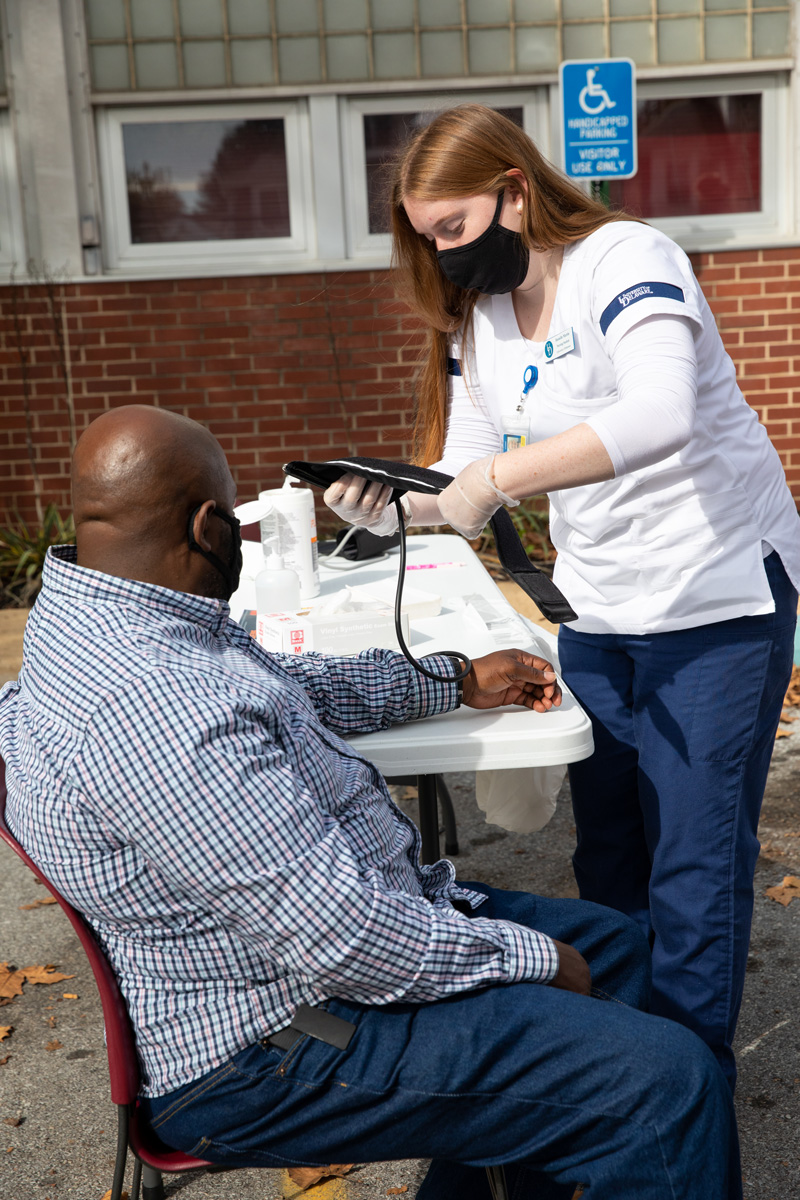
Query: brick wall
pixel 278 367
pixel 301 366
pixel 755 298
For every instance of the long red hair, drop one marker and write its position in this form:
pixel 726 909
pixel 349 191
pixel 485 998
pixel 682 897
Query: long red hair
pixel 466 151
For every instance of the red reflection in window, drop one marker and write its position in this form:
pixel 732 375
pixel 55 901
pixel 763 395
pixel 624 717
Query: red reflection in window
pixel 384 134
pixel 698 155
pixel 199 181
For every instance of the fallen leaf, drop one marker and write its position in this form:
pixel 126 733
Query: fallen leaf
pixel 306 1177
pixel 54 1045
pixel 783 733
pixel 785 892
pixel 107 1196
pixel 11 981
pixel 3 1061
pixel 5 1031
pixel 49 900
pixel 46 974
pixel 4 1000
pixel 52 1021
pixel 786 717
pixel 396 1191
pixel 70 995
pixel 14 1120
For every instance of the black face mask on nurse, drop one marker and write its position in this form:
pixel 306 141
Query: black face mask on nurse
pixel 230 571
pixel 494 263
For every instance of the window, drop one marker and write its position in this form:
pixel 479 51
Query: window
pixel 698 155
pixel 384 134
pixel 373 129
pixel 711 172
pixel 206 185
pixel 226 181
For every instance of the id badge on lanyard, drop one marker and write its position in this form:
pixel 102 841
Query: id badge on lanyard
pixel 516 425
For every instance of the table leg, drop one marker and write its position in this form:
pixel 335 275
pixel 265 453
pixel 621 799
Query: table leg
pixel 448 816
pixel 428 818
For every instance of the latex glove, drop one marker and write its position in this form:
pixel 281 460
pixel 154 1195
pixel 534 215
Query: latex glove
pixel 362 502
pixel 472 498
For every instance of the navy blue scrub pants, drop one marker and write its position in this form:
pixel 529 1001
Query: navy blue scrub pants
pixel 560 1088
pixel 667 807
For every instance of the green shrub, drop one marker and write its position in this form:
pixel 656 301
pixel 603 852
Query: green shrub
pixel 22 552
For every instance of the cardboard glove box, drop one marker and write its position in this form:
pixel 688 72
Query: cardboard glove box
pixel 333 633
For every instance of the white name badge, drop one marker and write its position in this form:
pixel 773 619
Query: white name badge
pixel 562 343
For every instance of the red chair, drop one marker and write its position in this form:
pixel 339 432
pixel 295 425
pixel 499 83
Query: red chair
pixel 123 1064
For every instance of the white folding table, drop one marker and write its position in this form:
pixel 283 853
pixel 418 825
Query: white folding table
pixel 475 618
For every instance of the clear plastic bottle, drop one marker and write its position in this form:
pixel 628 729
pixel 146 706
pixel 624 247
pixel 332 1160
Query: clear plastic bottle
pixel 293 522
pixel 277 586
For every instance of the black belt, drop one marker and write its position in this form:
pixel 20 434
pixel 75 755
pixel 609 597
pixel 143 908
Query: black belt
pixel 316 1023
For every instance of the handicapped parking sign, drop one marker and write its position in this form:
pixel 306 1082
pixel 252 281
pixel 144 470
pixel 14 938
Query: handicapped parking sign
pixel 598 117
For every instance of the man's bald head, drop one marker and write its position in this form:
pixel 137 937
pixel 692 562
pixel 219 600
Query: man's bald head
pixel 137 474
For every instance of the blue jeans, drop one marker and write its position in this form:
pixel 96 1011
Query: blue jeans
pixel 563 1088
pixel 667 807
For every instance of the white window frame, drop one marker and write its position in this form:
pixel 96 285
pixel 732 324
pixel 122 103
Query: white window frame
pixel 12 241
pixel 231 254
pixel 730 231
pixel 374 249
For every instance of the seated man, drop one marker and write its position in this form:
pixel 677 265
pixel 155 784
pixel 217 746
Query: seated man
pixel 301 990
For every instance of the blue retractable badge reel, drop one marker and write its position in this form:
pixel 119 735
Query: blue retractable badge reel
pixel 529 380
pixel 516 427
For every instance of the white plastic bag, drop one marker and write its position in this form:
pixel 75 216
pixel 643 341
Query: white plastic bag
pixel 521 800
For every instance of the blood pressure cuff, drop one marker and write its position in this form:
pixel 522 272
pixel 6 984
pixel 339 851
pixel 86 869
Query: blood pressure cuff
pixel 403 478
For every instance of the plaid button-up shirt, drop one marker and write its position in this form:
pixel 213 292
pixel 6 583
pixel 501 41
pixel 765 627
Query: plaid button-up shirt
pixel 195 798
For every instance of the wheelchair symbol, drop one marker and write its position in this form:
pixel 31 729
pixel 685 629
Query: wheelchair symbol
pixel 594 91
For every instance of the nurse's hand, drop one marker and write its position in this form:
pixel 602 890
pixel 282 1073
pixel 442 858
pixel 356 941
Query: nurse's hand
pixel 472 498
pixel 362 502
pixel 511 677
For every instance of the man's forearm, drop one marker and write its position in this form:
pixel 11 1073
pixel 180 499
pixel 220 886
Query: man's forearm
pixel 371 690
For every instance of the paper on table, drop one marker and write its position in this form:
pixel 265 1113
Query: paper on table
pixel 416 602
pixel 507 627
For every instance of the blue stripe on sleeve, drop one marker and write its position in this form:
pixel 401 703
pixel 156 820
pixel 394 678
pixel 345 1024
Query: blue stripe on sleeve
pixel 642 291
pixel 453 366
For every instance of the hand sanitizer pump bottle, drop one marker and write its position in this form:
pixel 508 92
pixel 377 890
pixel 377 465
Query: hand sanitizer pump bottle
pixel 277 587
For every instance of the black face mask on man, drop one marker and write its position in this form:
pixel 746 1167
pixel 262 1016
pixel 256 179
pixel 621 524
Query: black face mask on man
pixel 494 263
pixel 230 571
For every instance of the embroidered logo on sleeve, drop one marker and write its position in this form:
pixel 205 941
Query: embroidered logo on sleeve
pixel 642 291
pixel 453 366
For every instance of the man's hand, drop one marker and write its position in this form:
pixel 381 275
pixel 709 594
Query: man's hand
pixel 573 973
pixel 512 677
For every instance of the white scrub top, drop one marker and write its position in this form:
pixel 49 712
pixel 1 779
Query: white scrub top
pixel 675 544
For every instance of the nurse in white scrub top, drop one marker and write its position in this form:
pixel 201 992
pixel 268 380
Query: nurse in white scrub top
pixel 571 352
